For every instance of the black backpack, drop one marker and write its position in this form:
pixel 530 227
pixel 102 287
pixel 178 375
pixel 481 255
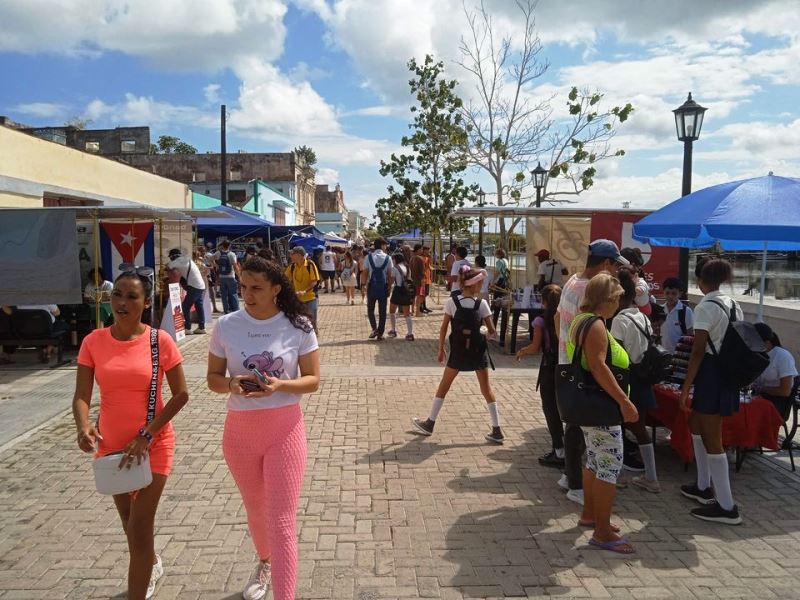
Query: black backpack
pixel 466 340
pixel 682 320
pixel 742 355
pixel 656 364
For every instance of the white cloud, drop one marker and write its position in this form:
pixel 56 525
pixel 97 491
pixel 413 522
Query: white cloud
pixel 43 110
pixel 326 175
pixel 382 110
pixel 211 93
pixel 145 110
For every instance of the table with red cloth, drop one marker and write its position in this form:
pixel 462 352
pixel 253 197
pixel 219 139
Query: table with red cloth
pixel 756 424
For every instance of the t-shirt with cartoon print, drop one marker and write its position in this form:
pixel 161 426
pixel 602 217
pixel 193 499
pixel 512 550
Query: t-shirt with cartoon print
pixel 271 345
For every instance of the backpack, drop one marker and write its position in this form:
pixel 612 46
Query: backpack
pixel 224 264
pixel 466 340
pixel 682 320
pixel 742 355
pixel 656 363
pixel 408 284
pixel 377 284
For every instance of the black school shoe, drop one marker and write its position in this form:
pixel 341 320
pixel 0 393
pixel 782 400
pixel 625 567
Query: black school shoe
pixel 693 492
pixel 424 427
pixel 716 514
pixel 496 436
pixel 551 460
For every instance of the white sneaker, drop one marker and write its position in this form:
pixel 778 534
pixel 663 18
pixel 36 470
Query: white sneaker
pixel 256 588
pixel 158 573
pixel 575 496
pixel 563 483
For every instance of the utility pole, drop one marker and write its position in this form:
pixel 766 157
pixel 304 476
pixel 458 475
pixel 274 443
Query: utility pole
pixel 223 177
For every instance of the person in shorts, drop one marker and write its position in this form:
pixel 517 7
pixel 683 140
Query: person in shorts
pixel 328 269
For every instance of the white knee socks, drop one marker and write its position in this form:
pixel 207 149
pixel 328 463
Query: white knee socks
pixel 492 408
pixel 435 408
pixel 718 464
pixel 410 325
pixel 701 459
pixel 649 459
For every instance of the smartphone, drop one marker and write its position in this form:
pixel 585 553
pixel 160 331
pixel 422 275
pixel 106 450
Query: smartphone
pixel 259 375
pixel 249 386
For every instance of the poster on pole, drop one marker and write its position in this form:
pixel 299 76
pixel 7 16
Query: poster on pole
pixel 172 321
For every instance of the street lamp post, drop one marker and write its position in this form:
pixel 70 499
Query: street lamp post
pixel 539 175
pixel 481 198
pixel 688 123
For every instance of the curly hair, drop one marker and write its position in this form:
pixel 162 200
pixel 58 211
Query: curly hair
pixel 286 299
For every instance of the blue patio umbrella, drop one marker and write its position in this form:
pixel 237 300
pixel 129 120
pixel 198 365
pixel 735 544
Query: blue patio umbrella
pixel 762 213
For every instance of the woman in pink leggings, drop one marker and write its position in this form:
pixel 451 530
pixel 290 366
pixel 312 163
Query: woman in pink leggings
pixel 266 356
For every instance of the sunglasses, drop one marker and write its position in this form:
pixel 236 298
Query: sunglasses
pixel 141 271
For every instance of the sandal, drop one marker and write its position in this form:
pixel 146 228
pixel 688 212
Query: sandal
pixel 581 523
pixel 614 546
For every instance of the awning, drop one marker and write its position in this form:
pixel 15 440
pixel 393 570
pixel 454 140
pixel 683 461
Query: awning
pixel 232 223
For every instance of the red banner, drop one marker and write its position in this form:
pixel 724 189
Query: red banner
pixel 659 262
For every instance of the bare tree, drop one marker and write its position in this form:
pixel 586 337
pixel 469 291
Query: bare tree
pixel 509 128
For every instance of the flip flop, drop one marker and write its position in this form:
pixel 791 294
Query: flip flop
pixel 581 523
pixel 613 545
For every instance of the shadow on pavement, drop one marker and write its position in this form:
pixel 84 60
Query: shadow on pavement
pixel 413 452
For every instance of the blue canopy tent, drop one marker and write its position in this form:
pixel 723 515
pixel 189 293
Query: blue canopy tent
pixel 281 231
pixel 411 235
pixel 238 224
pixel 309 242
pixel 762 213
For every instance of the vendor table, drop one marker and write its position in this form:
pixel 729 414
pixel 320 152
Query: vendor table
pixel 533 311
pixel 755 425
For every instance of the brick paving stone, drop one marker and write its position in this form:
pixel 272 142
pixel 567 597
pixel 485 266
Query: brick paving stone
pixel 384 513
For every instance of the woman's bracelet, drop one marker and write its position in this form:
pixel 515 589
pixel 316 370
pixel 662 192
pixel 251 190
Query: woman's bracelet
pixel 143 433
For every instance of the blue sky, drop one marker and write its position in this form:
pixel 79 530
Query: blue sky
pixel 331 74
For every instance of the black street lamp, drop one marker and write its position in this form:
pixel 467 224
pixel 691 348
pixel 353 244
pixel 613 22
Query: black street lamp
pixel 688 123
pixel 481 197
pixel 539 175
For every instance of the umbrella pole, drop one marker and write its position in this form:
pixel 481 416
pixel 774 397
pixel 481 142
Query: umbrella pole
pixel 763 285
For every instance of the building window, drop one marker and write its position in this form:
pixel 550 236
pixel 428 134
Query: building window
pixel 236 173
pixel 93 147
pixel 127 146
pixel 237 198
pixel 198 176
pixel 278 216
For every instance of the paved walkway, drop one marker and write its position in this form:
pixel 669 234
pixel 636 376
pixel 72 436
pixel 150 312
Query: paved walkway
pixel 384 513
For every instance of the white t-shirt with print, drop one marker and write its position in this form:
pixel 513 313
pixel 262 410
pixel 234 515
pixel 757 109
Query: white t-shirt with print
pixel 483 310
pixel 781 364
pixel 710 317
pixel 328 261
pixel 454 272
pixel 568 308
pixel 271 345
pixel 627 334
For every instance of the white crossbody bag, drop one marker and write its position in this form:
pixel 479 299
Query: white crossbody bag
pixel 108 477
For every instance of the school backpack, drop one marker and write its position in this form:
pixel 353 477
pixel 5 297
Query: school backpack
pixel 377 285
pixel 224 264
pixel 466 340
pixel 408 284
pixel 742 355
pixel 656 363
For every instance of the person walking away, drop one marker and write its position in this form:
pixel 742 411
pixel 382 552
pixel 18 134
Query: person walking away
pixel 400 297
pixel 550 270
pixel 194 286
pixel 119 359
pixel 480 263
pixel 427 278
pixel 349 267
pixel 213 276
pixel 378 270
pixel 604 256
pixel 679 320
pixel 363 274
pixel 417 267
pixel 545 340
pixel 264 439
pixel 632 330
pixel 603 443
pixel 465 314
pixel 226 266
pixel 448 266
pixel 328 269
pixel 501 282
pixel 714 396
pixel 455 270
pixel 777 381
pixel 302 273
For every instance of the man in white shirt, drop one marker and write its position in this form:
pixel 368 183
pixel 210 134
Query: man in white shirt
pixel 192 282
pixel 680 318
pixel 378 269
pixel 328 268
pixel 461 260
pixel 550 270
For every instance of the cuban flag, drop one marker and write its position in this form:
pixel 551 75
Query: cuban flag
pixel 126 243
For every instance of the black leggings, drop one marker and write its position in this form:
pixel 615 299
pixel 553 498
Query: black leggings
pixel 547 391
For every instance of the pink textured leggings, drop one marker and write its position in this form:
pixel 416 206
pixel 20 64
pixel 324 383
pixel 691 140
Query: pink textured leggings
pixel 266 453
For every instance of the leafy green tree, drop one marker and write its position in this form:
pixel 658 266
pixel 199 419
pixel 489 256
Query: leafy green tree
pixel 428 185
pixel 307 154
pixel 168 144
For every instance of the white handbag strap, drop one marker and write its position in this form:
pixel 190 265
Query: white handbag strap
pixel 153 395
